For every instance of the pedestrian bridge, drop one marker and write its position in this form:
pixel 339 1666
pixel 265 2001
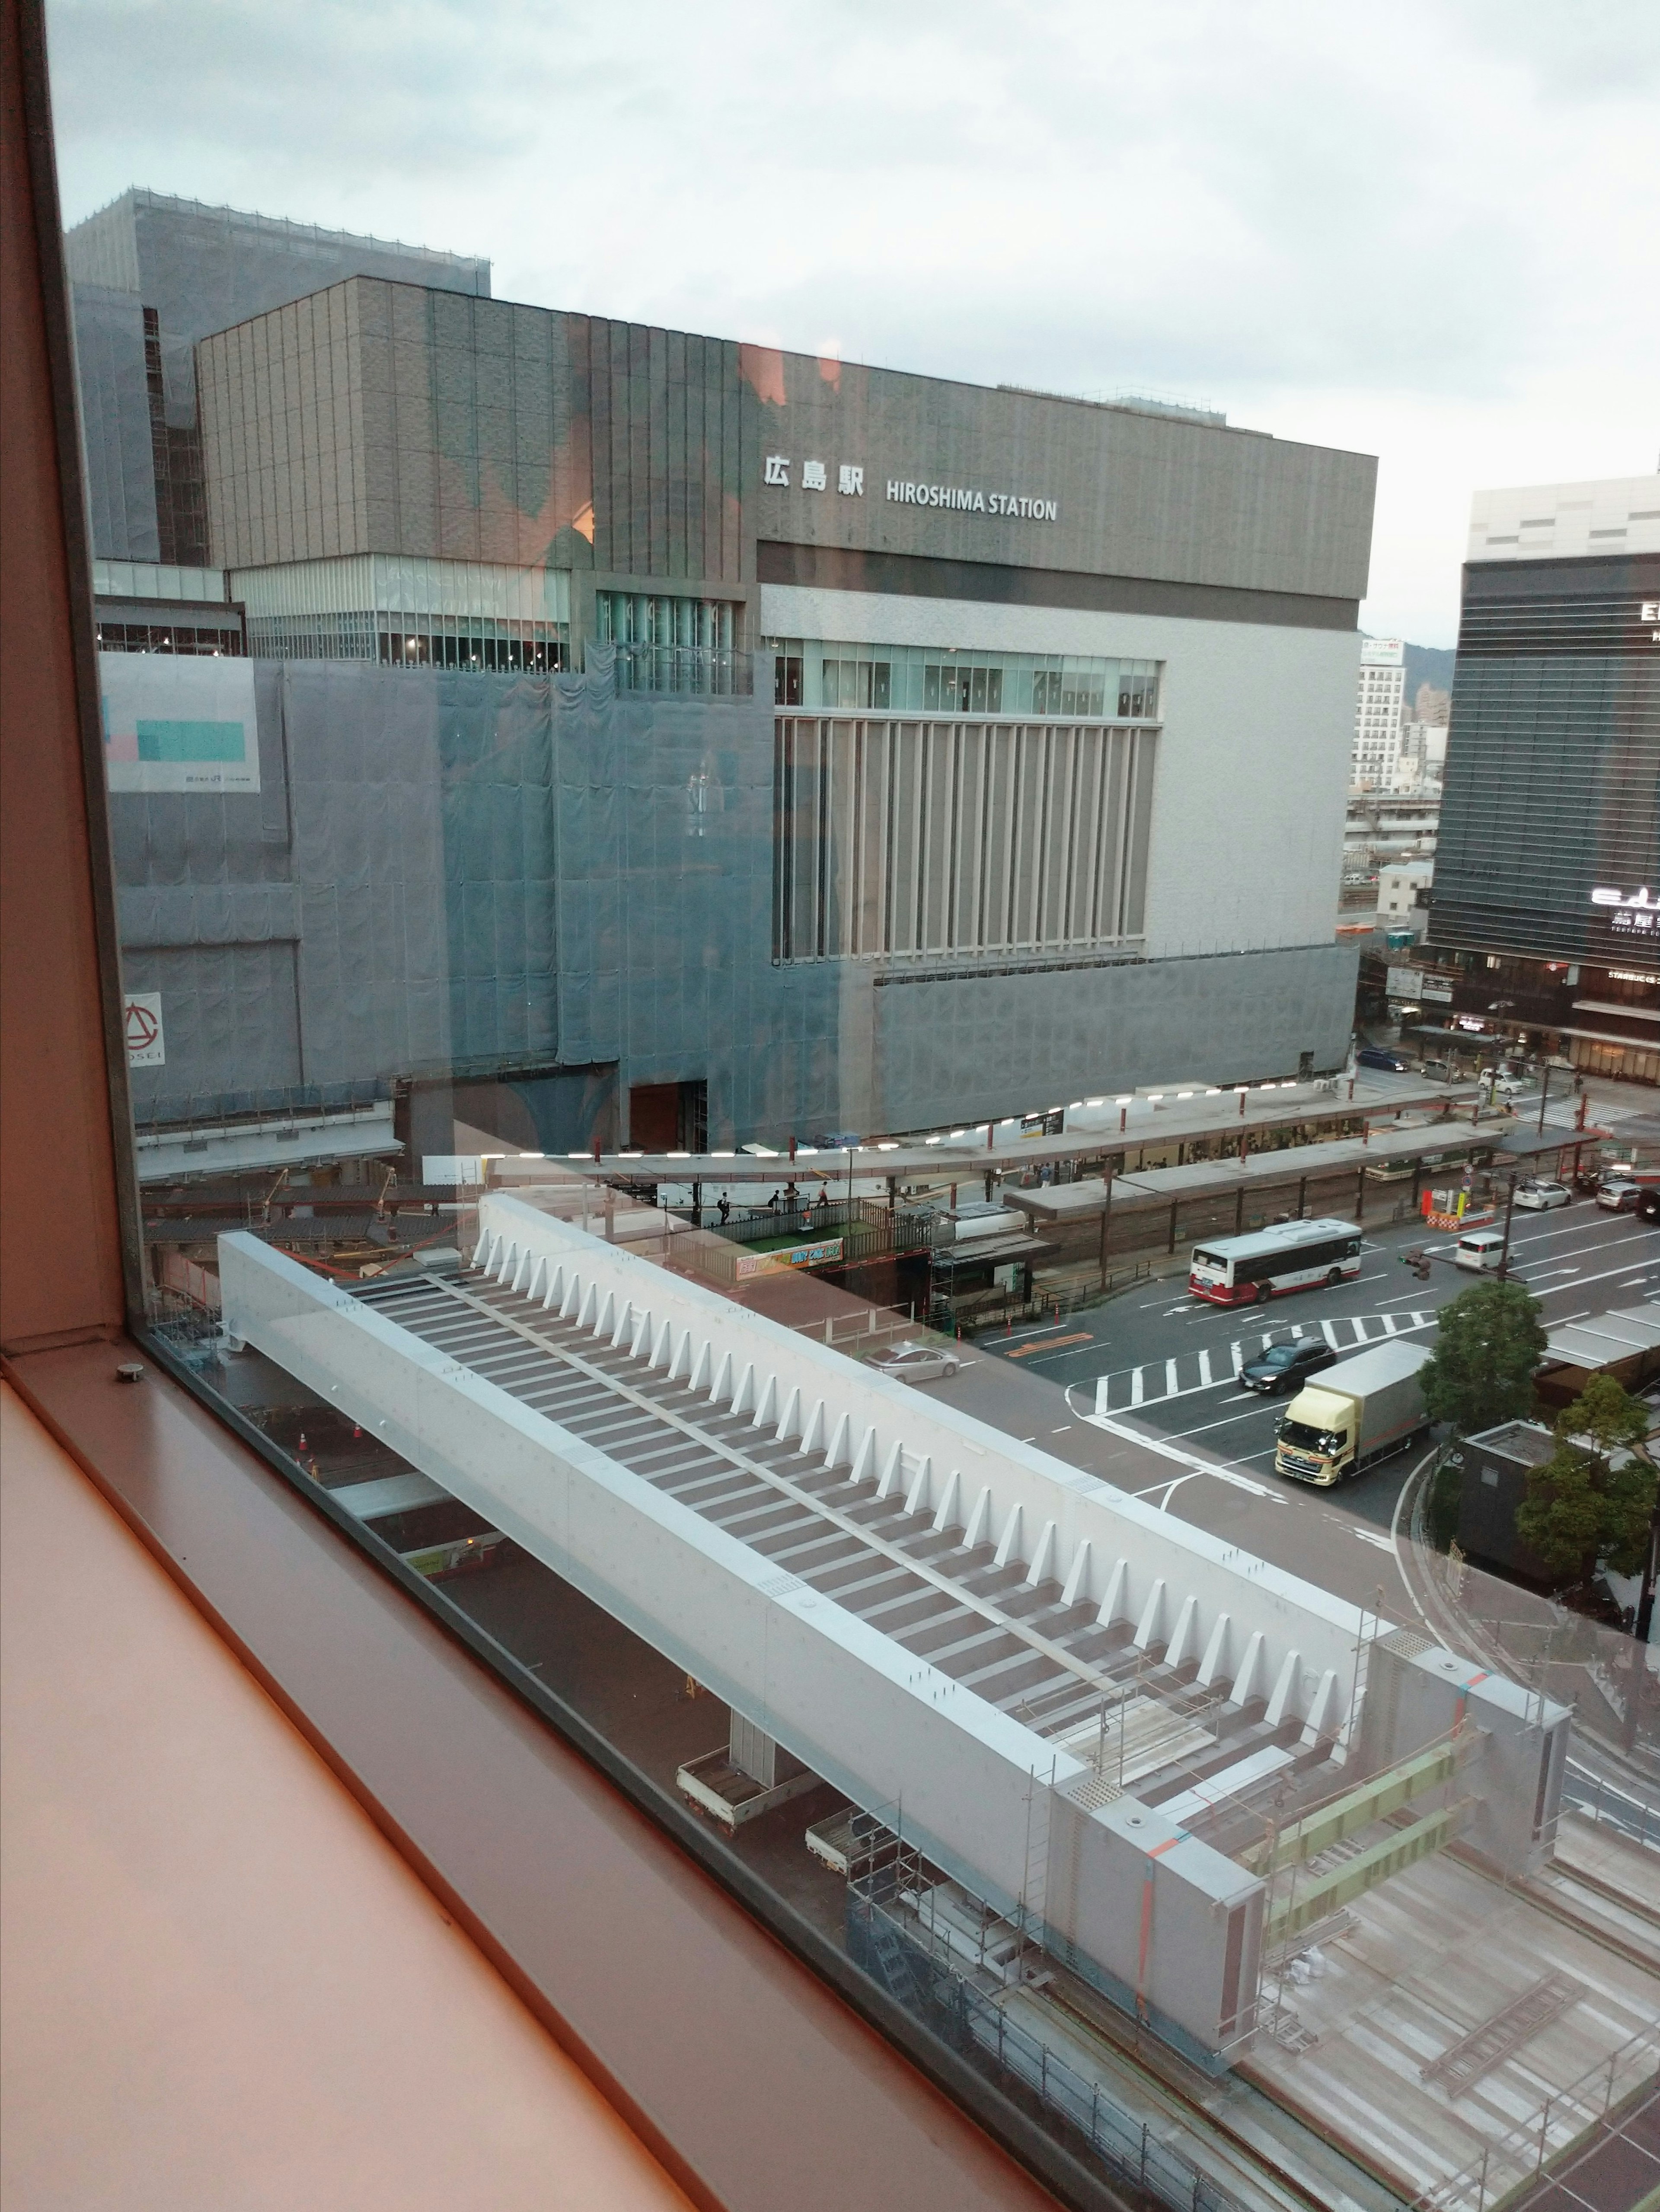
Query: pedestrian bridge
pixel 1073 1697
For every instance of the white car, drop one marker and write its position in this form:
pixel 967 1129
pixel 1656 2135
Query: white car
pixel 1503 1085
pixel 1542 1196
pixel 916 1363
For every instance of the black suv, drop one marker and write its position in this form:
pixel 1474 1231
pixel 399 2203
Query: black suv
pixel 1286 1366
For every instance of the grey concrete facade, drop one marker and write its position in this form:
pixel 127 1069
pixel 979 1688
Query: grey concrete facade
pixel 456 876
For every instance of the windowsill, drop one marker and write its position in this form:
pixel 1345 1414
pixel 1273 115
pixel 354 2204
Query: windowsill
pixel 738 2068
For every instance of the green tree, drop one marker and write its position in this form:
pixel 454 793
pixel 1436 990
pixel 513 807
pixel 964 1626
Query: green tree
pixel 1579 1504
pixel 1489 1342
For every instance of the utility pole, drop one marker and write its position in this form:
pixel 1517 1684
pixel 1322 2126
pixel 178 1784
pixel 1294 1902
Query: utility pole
pixel 1544 1093
pixel 1509 1214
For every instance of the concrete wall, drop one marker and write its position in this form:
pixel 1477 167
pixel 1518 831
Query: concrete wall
pixel 1416 1694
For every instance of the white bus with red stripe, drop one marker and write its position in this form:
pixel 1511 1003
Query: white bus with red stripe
pixel 1293 1255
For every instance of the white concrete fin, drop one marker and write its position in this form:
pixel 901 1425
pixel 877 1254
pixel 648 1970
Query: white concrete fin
pixel 1323 1713
pixel 949 1505
pixel 681 1362
pixel 1215 1659
pixel 1285 1684
pixel 1250 1667
pixel 789 1421
pixel 917 1496
pixel 1147 1629
pixel 1042 1556
pixel 812 1436
pixel 504 1260
pixel 484 1248
pixel 607 1320
pixel 1115 1596
pixel 573 1297
pixel 890 1466
pixel 1186 1635
pixel 979 1521
pixel 766 1411
pixel 662 1343
pixel 534 1280
pixel 1075 1573
pixel 743 1398
pixel 721 1386
pixel 524 1262
pixel 701 1366
pixel 1010 1537
pixel 641 1336
pixel 864 1460
pixel 840 1437
pixel 625 1323
pixel 555 1289
pixel 590 1309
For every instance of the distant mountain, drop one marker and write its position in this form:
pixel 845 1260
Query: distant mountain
pixel 1428 664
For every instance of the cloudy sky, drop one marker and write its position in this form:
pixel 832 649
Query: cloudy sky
pixel 1427 229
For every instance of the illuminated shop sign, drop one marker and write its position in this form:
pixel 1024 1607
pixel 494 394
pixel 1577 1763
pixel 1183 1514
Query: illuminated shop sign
pixel 1635 910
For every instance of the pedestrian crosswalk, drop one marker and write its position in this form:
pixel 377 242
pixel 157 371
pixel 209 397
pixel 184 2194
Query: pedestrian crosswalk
pixel 1190 1373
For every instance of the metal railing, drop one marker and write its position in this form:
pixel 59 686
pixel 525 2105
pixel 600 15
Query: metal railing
pixel 916 1965
pixel 1523 2152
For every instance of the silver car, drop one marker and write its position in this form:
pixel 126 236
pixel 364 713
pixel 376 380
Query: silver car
pixel 1542 1196
pixel 916 1363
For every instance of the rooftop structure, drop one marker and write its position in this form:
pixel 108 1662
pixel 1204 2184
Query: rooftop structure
pixel 1083 1705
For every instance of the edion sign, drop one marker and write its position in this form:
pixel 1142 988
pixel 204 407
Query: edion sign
pixel 1635 910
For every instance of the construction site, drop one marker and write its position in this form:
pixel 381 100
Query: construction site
pixel 1261 1899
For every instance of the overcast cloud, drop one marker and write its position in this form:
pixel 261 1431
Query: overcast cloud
pixel 1425 229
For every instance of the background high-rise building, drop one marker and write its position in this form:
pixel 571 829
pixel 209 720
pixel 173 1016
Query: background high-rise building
pixel 150 276
pixel 1546 906
pixel 1377 712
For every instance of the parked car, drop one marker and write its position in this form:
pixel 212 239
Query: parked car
pixel 1377 1055
pixel 1619 1195
pixel 1539 1197
pixel 1286 1366
pixel 916 1363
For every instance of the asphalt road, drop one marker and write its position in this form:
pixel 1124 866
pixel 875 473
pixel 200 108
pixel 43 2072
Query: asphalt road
pixel 1142 1390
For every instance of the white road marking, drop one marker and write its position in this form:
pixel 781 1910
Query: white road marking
pixel 1136 1386
pixel 1169 1378
pixel 1208 1381
pixel 1165 1450
pixel 1367 1536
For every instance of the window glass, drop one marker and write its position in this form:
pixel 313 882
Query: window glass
pixel 704 924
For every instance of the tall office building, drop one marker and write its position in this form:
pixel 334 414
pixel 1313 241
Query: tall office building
pixel 918 751
pixel 1378 694
pixel 1546 909
pixel 150 276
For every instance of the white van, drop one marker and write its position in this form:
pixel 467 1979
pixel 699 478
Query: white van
pixel 1482 1248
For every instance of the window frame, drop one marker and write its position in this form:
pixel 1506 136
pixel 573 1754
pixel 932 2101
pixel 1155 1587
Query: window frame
pixel 430 1724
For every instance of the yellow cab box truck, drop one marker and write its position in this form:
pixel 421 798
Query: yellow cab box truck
pixel 1352 1415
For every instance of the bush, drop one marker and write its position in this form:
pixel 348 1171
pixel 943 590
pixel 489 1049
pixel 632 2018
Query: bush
pixel 1446 1485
